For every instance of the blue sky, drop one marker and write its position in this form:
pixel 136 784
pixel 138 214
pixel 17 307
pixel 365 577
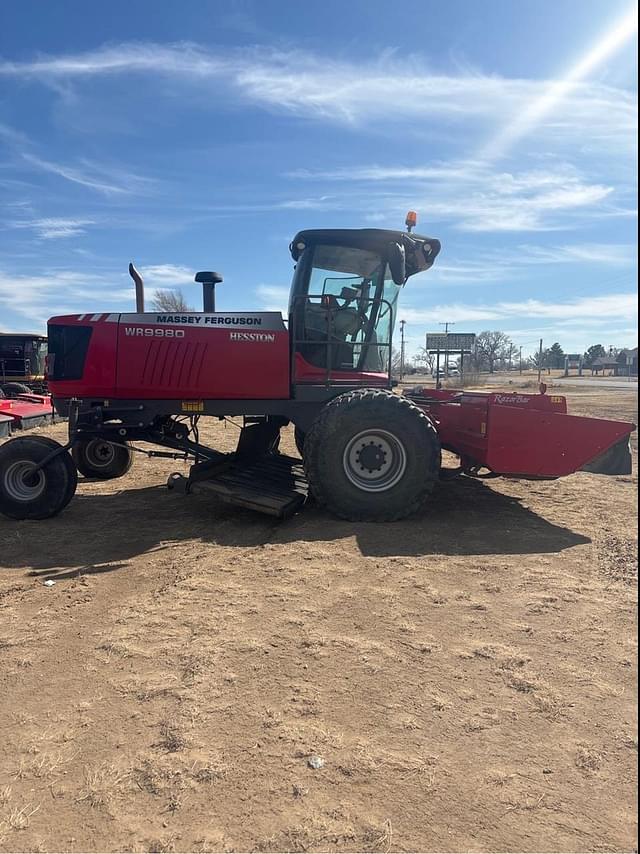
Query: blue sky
pixel 203 135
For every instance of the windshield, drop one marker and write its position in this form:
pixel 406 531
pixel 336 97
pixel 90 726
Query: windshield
pixel 350 303
pixel 38 357
pixel 22 357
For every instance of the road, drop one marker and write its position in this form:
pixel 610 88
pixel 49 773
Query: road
pixel 583 382
pixel 604 382
pixel 504 381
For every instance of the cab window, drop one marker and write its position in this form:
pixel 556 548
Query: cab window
pixel 348 310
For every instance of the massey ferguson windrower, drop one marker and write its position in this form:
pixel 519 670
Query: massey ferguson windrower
pixel 368 454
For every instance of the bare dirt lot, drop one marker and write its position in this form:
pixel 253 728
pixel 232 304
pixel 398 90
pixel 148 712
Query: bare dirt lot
pixel 468 675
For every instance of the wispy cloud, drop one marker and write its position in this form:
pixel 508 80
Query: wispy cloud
pixel 55 227
pixel 623 306
pixel 167 275
pixel 472 195
pixel 36 297
pixel 510 264
pixel 107 179
pixel 273 297
pixel 104 179
pixel 355 92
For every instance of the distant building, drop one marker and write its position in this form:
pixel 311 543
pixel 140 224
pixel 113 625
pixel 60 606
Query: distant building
pixel 621 364
pixel 606 364
pixel 628 362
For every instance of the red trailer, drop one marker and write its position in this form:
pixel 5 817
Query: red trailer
pixel 367 453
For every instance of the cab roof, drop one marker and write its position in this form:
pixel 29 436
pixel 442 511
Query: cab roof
pixel 420 251
pixel 364 238
pixel 23 335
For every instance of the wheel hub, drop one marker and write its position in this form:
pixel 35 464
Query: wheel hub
pixel 374 460
pixel 100 453
pixel 371 457
pixel 22 483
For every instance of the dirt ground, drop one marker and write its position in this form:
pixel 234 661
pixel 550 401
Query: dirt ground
pixel 467 676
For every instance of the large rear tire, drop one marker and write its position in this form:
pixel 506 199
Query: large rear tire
pixel 101 459
pixel 372 456
pixel 39 495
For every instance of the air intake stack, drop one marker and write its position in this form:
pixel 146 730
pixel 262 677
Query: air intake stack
pixel 209 281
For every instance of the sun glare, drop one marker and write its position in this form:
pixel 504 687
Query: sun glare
pixel 618 35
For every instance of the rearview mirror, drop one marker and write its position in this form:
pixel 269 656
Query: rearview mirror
pixel 396 260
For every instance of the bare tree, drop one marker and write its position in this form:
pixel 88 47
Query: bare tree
pixel 424 358
pixel 396 358
pixel 170 301
pixel 543 360
pixel 491 347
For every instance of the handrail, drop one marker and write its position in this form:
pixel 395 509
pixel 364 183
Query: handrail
pixel 331 341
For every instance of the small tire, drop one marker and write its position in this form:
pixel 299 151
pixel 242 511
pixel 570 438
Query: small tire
pixel 372 456
pixel 299 437
pixel 14 389
pixel 101 459
pixel 39 496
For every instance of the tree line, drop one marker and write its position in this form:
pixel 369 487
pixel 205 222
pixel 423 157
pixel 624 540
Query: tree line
pixel 495 351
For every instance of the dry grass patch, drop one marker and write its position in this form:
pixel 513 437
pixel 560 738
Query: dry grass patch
pixel 147 778
pixel 161 846
pixel 441 703
pixel 209 772
pixel 378 838
pixel 315 834
pixel 114 649
pixel 43 765
pixel 171 738
pixel 192 666
pixel 519 683
pixel 587 758
pixel 103 784
pixel 16 819
pixel 549 704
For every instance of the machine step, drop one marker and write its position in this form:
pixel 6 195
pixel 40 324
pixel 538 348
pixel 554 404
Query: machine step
pixel 274 484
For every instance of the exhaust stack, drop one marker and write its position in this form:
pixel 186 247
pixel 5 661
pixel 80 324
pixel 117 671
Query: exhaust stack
pixel 137 278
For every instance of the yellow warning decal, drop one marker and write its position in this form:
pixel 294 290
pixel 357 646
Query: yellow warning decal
pixel 483 428
pixel 193 405
pixel 555 398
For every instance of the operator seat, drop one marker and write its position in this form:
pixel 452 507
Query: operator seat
pixel 327 322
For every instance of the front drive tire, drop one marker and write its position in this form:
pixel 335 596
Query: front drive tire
pixel 24 495
pixel 372 456
pixel 101 459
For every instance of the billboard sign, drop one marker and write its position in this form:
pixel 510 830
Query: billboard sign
pixel 451 341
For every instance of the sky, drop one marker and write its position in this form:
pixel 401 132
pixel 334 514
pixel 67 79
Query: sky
pixel 204 134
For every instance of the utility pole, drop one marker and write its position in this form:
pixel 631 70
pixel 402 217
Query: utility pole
pixel 540 363
pixel 402 323
pixel 521 358
pixel 446 325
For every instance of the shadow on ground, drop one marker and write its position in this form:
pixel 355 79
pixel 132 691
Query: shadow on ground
pixel 101 533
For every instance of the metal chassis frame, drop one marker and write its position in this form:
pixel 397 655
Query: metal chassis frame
pixel 120 421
